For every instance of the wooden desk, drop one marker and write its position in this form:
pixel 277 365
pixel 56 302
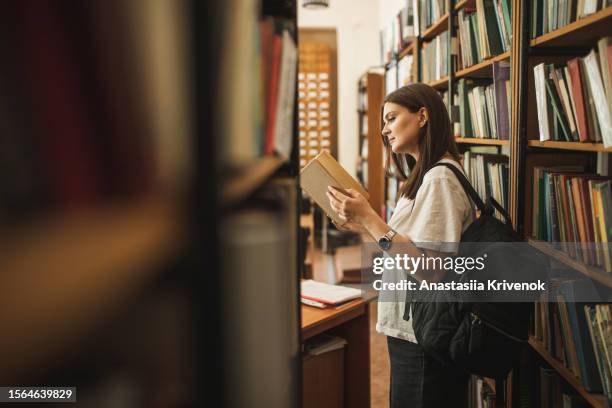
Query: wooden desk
pixel 351 322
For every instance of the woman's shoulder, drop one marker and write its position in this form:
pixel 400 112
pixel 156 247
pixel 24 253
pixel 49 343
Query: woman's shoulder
pixel 443 172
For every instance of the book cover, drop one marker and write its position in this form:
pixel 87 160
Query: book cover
pixel 324 171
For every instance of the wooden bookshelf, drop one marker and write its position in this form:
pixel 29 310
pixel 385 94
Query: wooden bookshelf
pixel 574 39
pixel 483 69
pixel 577 146
pixel 465 3
pixel 66 274
pixel 441 83
pixel 596 400
pixel 582 32
pixel 436 28
pixel 407 50
pixel 481 141
pixel 592 272
pixel 376 176
pixel 246 180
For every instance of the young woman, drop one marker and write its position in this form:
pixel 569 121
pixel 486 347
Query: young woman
pixel 430 215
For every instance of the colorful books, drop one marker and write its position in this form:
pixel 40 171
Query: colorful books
pixel 573 98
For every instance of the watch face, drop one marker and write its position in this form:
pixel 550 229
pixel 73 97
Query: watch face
pixel 384 243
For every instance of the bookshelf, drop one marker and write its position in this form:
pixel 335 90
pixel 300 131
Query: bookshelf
pixel 370 160
pixel 595 400
pixel 523 148
pixel 574 146
pixel 578 33
pixel 139 279
pixel 257 220
pixel 592 272
pixel 557 46
pixel 480 141
pixel 436 28
pixel 482 69
pixel 101 257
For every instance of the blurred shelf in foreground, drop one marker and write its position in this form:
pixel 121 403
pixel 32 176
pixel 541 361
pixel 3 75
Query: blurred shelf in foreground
pixel 62 276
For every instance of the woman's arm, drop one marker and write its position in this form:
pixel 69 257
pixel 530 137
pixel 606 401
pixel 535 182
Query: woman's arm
pixel 356 209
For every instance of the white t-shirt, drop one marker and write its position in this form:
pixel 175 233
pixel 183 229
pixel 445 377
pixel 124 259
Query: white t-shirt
pixel 442 212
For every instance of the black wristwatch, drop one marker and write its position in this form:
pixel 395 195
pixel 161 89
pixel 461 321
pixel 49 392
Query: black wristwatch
pixel 384 242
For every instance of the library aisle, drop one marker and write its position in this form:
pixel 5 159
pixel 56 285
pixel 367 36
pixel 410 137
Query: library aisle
pixel 209 203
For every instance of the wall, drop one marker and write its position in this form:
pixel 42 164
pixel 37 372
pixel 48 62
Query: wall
pixel 357 27
pixel 388 10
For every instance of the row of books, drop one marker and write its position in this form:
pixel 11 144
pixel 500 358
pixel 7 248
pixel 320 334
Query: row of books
pixel 574 209
pixel 399 33
pixel 405 70
pixel 430 11
pixel 435 62
pixel 575 333
pixel 488 174
pixel 484 105
pixel 85 115
pixel 391 80
pixel 484 31
pixel 549 15
pixel 399 74
pixel 574 100
pixel 277 60
pixel 553 394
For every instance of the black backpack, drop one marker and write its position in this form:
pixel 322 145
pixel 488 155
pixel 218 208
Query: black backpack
pixel 484 338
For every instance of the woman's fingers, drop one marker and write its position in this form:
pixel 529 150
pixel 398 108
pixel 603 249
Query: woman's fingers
pixel 337 193
pixel 352 193
pixel 338 206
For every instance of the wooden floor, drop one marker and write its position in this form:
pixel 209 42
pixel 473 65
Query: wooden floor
pixel 379 368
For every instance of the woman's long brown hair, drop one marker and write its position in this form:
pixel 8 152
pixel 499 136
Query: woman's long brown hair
pixel 435 138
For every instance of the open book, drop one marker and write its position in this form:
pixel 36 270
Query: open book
pixel 324 171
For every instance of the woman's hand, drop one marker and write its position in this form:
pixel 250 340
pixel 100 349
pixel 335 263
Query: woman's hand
pixel 352 206
pixel 350 226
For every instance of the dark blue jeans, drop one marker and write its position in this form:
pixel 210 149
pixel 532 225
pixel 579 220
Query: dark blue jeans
pixel 418 381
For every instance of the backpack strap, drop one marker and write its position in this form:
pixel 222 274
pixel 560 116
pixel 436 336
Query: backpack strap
pixel 465 183
pixel 469 190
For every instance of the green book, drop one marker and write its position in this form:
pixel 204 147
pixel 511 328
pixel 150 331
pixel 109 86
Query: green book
pixel 507 10
pixel 474 33
pixel 561 125
pixel 467 130
pixel 493 33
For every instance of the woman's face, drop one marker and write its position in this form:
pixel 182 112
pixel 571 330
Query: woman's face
pixel 401 127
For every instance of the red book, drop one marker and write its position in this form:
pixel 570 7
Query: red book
pixel 61 109
pixel 574 69
pixel 277 49
pixel 609 56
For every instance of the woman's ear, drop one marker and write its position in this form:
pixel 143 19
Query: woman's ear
pixel 423 116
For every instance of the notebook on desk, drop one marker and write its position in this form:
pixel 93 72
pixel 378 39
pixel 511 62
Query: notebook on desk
pixel 327 294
